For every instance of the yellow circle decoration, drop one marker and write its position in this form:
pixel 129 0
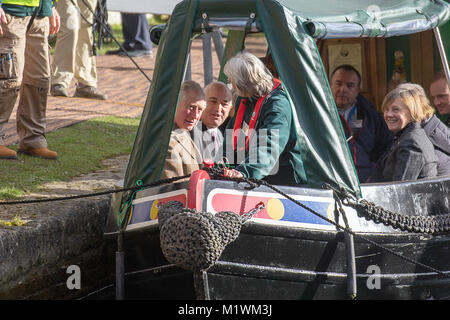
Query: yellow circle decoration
pixel 275 209
pixel 154 210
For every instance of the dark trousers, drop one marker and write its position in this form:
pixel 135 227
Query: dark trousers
pixel 136 31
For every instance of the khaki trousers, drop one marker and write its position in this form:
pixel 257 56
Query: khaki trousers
pixel 73 57
pixel 25 70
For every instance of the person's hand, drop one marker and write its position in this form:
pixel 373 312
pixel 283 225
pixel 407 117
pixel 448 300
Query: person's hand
pixel 54 21
pixel 2 20
pixel 232 173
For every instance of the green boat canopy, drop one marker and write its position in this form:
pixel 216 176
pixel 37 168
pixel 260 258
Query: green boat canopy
pixel 352 19
pixel 290 27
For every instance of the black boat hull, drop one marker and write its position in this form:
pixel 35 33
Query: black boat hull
pixel 301 260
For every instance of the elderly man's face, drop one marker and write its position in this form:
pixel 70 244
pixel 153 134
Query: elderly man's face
pixel 345 88
pixel 440 95
pixel 189 110
pixel 218 105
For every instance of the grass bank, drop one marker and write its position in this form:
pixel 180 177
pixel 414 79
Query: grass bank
pixel 80 147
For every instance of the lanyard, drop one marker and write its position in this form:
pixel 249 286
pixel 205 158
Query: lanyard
pixel 352 112
pixel 240 116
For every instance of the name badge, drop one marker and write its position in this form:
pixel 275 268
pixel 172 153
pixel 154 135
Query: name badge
pixel 357 124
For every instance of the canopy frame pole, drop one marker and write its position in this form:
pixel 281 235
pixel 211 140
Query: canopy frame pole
pixel 218 45
pixel 207 58
pixel 440 46
pixel 187 71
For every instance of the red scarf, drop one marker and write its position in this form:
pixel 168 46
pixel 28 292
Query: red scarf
pixel 240 116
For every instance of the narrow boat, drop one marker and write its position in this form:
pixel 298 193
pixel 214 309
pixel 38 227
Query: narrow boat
pixel 332 238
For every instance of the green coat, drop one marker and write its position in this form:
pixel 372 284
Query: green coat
pixel 278 150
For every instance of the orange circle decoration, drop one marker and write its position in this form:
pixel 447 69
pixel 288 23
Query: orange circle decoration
pixel 275 209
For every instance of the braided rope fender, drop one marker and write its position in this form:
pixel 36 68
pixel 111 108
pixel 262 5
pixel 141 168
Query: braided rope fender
pixel 437 224
pixel 195 240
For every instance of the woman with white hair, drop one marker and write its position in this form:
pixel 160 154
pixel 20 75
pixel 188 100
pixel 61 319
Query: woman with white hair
pixel 262 132
pixel 411 155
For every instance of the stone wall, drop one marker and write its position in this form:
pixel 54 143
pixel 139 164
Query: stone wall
pixel 34 258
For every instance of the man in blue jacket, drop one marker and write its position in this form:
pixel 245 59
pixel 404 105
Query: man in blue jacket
pixel 367 134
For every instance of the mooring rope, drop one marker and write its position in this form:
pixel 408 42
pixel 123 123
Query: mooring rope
pixel 95 194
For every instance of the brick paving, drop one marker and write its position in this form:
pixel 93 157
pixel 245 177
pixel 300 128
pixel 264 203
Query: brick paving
pixel 125 87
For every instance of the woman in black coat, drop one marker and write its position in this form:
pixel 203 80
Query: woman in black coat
pixel 411 155
pixel 435 129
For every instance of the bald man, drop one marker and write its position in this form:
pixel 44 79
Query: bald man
pixel 440 95
pixel 207 135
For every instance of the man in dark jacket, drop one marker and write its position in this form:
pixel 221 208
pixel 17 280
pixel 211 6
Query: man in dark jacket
pixel 440 95
pixel 366 131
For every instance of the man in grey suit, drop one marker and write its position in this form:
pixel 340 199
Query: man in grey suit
pixel 207 135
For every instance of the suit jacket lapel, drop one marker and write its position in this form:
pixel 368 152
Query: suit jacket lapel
pixel 187 144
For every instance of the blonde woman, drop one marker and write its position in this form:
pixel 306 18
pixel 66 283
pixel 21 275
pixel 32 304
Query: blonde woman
pixel 411 155
pixel 436 130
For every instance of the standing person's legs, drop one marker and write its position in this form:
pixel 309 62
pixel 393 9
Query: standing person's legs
pixel 85 61
pixel 31 112
pixel 139 29
pixel 128 33
pixel 127 36
pixel 12 60
pixel 143 34
pixel 137 35
pixel 85 64
pixel 64 54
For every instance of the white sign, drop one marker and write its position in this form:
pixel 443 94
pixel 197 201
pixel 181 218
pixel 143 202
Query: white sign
pixel 142 6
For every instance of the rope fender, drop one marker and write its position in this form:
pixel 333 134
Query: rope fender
pixel 432 224
pixel 418 224
pixel 195 240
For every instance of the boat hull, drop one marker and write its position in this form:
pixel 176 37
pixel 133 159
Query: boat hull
pixel 274 258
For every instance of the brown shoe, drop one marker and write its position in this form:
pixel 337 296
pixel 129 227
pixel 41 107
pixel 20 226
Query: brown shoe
pixel 43 153
pixel 90 93
pixel 6 153
pixel 58 90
